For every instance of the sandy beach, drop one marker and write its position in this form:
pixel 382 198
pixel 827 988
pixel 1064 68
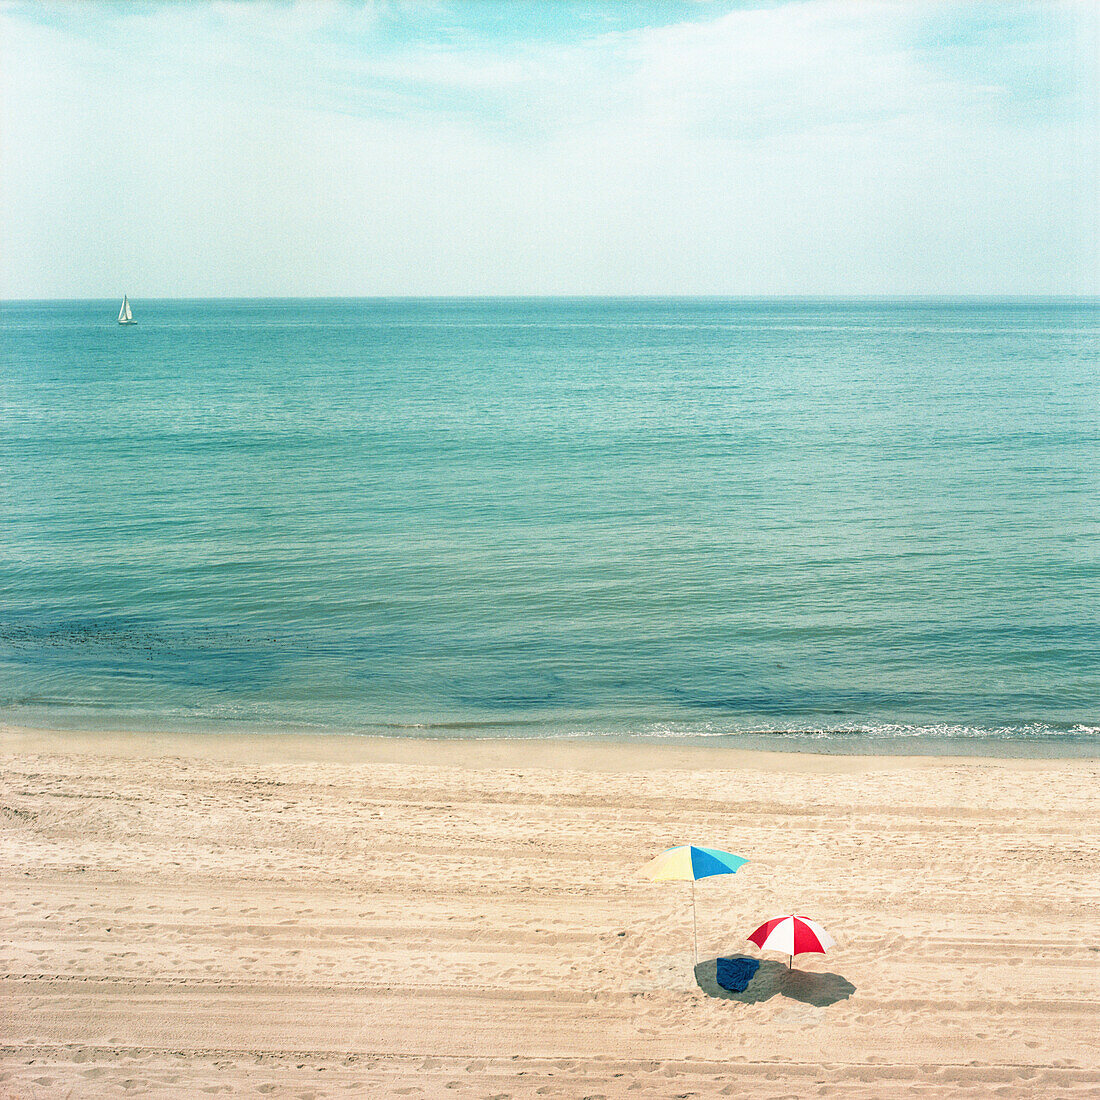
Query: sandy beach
pixel 337 916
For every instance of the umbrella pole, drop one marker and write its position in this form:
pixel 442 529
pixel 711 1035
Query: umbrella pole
pixel 694 924
pixel 790 965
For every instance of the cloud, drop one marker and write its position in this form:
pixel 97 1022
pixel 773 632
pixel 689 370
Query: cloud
pixel 808 147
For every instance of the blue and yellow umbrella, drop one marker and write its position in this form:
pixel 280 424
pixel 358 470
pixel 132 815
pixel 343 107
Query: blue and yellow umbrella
pixel 688 863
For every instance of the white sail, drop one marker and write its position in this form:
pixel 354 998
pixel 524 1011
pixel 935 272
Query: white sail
pixel 124 313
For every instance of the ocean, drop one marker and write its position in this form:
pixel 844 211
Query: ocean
pixel 835 525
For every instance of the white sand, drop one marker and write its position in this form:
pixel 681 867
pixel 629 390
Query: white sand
pixel 314 917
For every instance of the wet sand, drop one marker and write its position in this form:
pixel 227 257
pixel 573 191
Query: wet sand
pixel 336 916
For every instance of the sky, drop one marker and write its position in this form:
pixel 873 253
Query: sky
pixel 482 147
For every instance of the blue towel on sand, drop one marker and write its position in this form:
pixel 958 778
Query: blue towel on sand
pixel 735 974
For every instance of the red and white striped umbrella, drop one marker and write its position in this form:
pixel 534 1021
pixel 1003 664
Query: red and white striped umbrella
pixel 793 936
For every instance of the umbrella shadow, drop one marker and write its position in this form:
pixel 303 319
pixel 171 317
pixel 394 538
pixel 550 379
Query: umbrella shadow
pixel 773 979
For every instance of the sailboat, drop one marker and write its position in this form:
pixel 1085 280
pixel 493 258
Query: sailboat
pixel 125 317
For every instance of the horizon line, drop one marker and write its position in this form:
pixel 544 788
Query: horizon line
pixel 918 297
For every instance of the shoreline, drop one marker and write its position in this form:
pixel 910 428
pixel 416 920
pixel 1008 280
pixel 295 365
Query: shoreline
pixel 290 915
pixel 717 751
pixel 560 753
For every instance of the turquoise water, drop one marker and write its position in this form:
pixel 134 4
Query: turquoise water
pixel 832 524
